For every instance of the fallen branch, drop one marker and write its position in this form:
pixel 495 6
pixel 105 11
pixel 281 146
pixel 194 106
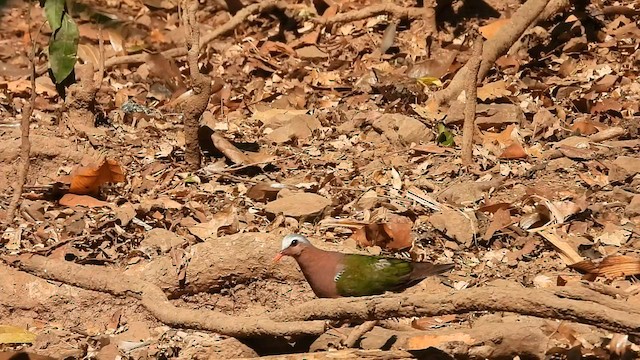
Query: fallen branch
pixel 494 48
pixel 564 303
pixel 155 301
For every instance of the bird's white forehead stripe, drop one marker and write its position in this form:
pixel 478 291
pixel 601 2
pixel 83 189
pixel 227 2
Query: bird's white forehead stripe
pixel 286 241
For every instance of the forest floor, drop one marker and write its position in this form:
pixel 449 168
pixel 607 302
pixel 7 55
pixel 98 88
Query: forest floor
pixel 323 130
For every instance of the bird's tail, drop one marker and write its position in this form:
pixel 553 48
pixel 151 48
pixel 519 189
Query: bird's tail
pixel 422 270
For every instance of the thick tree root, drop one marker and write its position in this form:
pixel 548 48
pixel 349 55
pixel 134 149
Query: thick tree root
pixel 575 304
pixel 155 301
pixel 566 303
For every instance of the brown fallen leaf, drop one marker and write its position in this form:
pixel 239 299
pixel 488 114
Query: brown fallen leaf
pixel 610 267
pixel 584 127
pixel 514 151
pixel 229 150
pixel 264 191
pixel 491 29
pixel 501 219
pixel 457 225
pixel 88 179
pixel 394 234
pixel 227 218
pixel 81 200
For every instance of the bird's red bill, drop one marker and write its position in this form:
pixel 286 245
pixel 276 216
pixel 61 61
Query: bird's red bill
pixel 277 257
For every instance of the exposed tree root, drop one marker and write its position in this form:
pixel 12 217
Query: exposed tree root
pixel 566 303
pixel 155 301
pixel 345 354
pixel 489 337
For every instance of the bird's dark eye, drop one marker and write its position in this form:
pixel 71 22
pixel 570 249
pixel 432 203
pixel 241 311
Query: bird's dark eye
pixel 294 242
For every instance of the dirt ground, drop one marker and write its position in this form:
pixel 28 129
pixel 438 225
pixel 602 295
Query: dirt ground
pixel 326 129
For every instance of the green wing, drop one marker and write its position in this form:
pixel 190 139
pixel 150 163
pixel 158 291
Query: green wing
pixel 371 275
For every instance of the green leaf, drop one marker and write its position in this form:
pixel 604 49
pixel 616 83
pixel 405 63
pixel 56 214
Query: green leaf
pixel 429 80
pixel 63 47
pixel 445 137
pixel 54 9
pixel 15 335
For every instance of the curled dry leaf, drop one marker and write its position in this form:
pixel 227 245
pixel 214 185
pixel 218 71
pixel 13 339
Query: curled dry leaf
pixel 229 150
pixel 227 218
pixel 264 191
pixel 610 267
pixel 88 179
pixel 584 127
pixel 501 219
pixel 394 234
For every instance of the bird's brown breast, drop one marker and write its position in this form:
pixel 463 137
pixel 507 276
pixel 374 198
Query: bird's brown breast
pixel 320 268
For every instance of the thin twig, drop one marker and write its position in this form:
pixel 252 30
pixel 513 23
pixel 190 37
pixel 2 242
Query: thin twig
pixel 25 144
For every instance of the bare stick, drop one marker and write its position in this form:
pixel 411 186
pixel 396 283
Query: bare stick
pixel 357 333
pixel 25 144
pixel 494 48
pixel 471 95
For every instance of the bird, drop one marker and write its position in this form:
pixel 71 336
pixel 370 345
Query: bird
pixel 332 274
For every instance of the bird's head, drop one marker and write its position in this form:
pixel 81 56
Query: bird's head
pixel 292 245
